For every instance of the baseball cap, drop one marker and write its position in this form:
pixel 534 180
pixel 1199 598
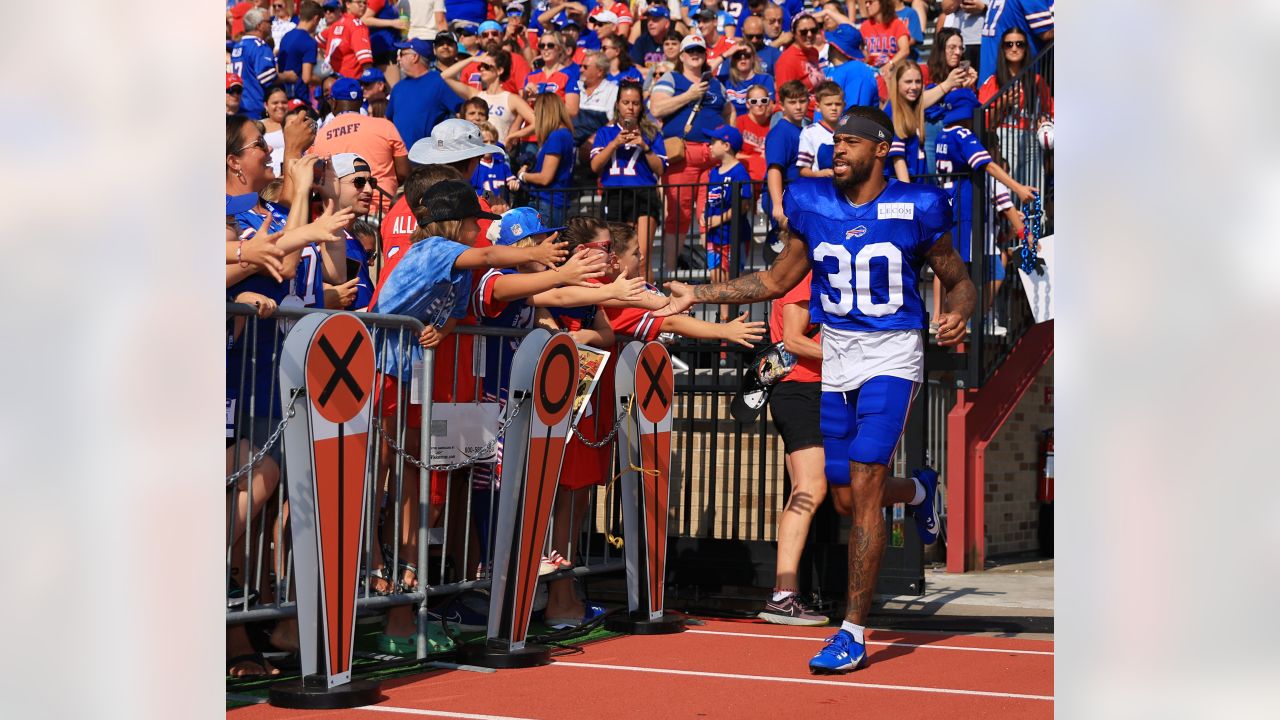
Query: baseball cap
pixel 450 141
pixel 728 134
pixel 705 13
pixel 465 26
pixel 604 16
pixel 331 5
pixel 658 11
pixel 344 88
pixel 295 103
pixel 420 46
pixel 345 164
pixel 959 104
pixel 372 75
pixel 237 204
pixel 233 80
pixel 451 200
pixel 569 22
pixel 519 223
pixel 847 40
pixel 515 8
pixel 691 40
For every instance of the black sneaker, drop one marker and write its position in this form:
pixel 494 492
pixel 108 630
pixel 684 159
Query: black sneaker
pixel 791 611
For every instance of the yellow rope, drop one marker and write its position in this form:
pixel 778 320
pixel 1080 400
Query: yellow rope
pixel 609 537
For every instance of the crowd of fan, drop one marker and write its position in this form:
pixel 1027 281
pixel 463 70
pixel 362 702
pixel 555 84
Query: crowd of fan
pixel 428 159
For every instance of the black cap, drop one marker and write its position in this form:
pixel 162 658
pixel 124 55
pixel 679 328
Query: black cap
pixel 451 200
pixel 705 14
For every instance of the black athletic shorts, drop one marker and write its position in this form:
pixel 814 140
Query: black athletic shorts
pixel 797 413
pixel 626 205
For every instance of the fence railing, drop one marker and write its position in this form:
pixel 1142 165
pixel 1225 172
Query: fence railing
pixel 1007 125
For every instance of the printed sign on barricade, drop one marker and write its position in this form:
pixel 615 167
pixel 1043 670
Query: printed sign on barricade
pixel 644 387
pixel 326 375
pixel 544 373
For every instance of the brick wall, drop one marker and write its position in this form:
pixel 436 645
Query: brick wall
pixel 1012 463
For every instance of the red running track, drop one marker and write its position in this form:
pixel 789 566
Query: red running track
pixel 734 670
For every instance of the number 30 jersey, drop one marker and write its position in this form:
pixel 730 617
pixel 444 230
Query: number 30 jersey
pixel 867 259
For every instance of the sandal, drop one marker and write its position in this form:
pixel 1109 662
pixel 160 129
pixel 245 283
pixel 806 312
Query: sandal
pixel 407 586
pixel 553 562
pixel 256 658
pixel 373 577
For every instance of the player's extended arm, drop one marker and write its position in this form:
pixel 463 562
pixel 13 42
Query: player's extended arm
pixel 789 268
pixel 961 295
pixel 795 319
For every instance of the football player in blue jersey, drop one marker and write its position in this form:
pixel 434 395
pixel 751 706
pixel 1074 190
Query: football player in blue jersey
pixel 866 239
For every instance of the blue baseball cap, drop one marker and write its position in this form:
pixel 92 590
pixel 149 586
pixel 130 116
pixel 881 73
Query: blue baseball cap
pixel 959 104
pixel 519 223
pixel 847 40
pixel 347 89
pixel 372 75
pixel 728 134
pixel 657 11
pixel 237 204
pixel 489 25
pixel 515 9
pixel 331 5
pixel 424 48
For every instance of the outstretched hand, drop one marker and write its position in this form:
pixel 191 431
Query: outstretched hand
pixel 582 267
pixel 627 289
pixel 744 332
pixel 952 329
pixel 261 250
pixel 550 252
pixel 679 299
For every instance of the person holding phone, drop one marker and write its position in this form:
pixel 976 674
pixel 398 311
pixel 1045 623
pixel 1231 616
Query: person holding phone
pixel 629 157
pixel 690 103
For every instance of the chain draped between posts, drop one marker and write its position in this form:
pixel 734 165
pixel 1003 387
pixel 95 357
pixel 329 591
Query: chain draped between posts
pixel 485 450
pixel 272 439
pixel 612 433
pixel 1032 214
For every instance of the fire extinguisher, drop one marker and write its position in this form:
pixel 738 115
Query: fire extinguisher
pixel 1044 482
pixel 1044 494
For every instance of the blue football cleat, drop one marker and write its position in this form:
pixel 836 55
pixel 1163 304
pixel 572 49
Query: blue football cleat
pixel 926 513
pixel 842 654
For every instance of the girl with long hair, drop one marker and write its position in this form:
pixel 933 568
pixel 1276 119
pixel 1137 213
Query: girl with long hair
pixel 553 169
pixel 1015 113
pixel 906 109
pixel 629 158
pixel 504 107
pixel 744 72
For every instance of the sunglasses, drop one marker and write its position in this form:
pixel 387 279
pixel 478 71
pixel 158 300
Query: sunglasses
pixel 601 245
pixel 808 33
pixel 547 46
pixel 758 101
pixel 466 32
pixel 1015 43
pixel 753 38
pixel 744 56
pixel 490 34
pixel 486 67
pixel 260 143
pixel 235 90
pixel 360 182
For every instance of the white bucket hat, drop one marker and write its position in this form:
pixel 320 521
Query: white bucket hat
pixel 450 141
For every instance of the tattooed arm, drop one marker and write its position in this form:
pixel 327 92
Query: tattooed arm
pixel 961 297
pixel 789 268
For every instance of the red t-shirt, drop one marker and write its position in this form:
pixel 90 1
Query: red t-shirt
pixel 636 322
pixel 347 46
pixel 752 155
pixel 520 70
pixel 797 63
pixel 880 42
pixel 806 370
pixel 722 46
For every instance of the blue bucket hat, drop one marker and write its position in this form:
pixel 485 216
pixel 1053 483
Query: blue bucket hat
pixel 847 40
pixel 959 104
pixel 519 223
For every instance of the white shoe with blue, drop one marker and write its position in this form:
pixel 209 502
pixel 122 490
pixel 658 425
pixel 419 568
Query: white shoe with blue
pixel 842 654
pixel 926 513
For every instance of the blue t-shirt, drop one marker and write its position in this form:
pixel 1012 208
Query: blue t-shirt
pixel 560 143
pixel 631 74
pixel 912 151
pixel 768 58
pixel 297 48
pixel 516 313
pixel 958 151
pixel 418 104
pixel 492 175
pixel 1029 16
pixel 646 50
pixel 426 286
pixel 911 19
pixel 628 167
pixel 858 80
pixel 867 259
pixel 383 40
pixel 736 92
pixel 781 148
pixel 473 10
pixel 710 115
pixel 254 62
pixel 721 198
pixel 364 288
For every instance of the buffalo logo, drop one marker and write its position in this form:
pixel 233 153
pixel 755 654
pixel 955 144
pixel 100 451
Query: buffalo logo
pixel 516 229
pixel 856 232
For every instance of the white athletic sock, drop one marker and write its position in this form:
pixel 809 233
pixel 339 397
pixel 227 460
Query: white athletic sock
pixel 920 493
pixel 780 595
pixel 854 630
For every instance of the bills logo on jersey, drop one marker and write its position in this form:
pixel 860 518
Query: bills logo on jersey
pixel 896 211
pixel 856 232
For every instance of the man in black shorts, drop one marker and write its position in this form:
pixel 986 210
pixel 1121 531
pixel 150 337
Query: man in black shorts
pixel 795 404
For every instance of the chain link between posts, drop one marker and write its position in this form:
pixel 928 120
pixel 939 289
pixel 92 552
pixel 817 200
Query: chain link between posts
pixel 612 433
pixel 272 439
pixel 485 450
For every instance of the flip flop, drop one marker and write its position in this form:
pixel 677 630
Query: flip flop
pixel 255 657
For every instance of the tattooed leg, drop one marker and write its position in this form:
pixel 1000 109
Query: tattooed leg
pixel 808 488
pixel 867 538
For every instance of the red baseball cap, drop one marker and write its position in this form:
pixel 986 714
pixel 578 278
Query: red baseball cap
pixel 294 104
pixel 233 80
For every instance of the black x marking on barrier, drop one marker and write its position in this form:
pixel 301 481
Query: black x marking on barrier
pixel 655 386
pixel 341 368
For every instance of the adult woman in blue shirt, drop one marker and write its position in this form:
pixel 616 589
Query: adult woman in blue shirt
pixel 553 170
